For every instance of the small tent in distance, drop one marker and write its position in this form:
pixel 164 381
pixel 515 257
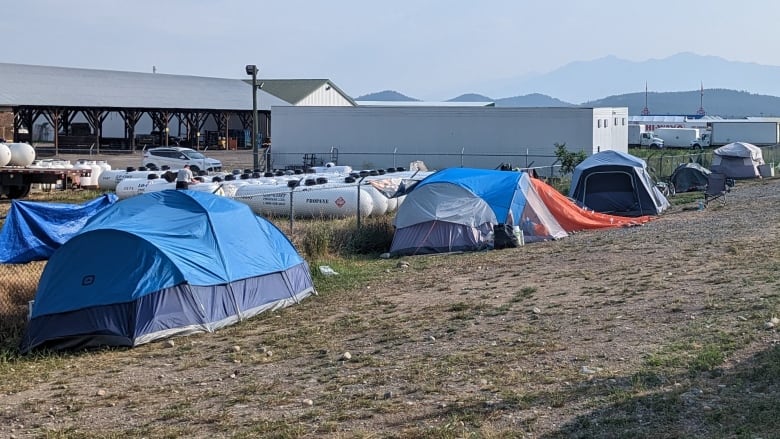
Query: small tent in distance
pixel 617 183
pixel 162 264
pixel 737 160
pixel 690 177
pixel 456 209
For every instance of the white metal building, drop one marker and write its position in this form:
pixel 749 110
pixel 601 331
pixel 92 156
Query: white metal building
pixel 307 92
pixel 482 137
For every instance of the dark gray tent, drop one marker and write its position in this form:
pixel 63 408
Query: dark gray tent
pixel 617 183
pixel 689 177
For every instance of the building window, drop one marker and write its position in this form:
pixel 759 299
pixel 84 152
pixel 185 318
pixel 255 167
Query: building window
pixel 606 123
pixel 599 123
pixel 616 124
pixel 624 121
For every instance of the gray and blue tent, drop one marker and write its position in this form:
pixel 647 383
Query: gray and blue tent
pixel 162 264
pixel 617 183
pixel 457 209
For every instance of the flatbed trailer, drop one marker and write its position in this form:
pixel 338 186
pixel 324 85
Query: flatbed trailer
pixel 16 181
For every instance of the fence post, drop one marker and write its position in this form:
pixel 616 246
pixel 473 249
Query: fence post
pixel 395 151
pixel 292 211
pixel 358 201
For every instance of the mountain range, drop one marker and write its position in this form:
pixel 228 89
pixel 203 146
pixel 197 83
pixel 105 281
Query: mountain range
pixel 611 81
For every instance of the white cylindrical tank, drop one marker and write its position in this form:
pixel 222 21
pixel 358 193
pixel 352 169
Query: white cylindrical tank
pixel 161 185
pixel 129 187
pixel 379 201
pixel 104 165
pixel 22 154
pixel 109 178
pixel 5 154
pixel 392 204
pixel 307 201
pixel 87 181
pixel 331 168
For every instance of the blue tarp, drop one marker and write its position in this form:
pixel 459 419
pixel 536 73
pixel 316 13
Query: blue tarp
pixel 34 230
pixel 160 264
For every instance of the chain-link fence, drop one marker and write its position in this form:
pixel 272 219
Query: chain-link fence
pixel 18 283
pixel 663 163
pixel 475 158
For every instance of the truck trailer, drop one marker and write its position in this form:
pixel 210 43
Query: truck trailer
pixel 443 136
pixel 725 132
pixel 640 137
pixel 678 137
pixel 16 181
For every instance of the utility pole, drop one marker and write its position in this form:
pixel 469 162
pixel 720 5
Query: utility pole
pixel 251 69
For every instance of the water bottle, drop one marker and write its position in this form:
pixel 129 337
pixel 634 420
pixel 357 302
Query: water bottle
pixel 518 232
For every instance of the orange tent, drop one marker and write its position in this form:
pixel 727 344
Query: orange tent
pixel 574 218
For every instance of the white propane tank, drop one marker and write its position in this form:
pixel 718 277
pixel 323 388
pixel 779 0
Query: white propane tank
pixel 392 204
pixel 109 178
pixel 264 199
pixel 331 168
pixel 379 201
pixel 129 187
pixel 5 154
pixel 160 184
pixel 86 181
pixel 22 154
pixel 104 165
pixel 307 201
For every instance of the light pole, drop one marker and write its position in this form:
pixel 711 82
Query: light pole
pixel 251 69
pixel 197 141
pixel 166 135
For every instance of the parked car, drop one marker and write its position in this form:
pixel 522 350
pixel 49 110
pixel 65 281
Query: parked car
pixel 176 157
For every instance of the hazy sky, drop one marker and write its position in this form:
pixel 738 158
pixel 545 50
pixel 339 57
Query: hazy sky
pixel 431 50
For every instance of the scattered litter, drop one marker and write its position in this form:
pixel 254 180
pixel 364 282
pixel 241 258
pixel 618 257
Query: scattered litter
pixel 327 271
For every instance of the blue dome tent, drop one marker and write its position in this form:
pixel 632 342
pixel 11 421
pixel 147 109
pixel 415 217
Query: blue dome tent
pixel 456 209
pixel 162 264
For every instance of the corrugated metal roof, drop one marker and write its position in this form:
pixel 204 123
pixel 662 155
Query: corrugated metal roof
pixel 31 85
pixel 424 104
pixel 294 91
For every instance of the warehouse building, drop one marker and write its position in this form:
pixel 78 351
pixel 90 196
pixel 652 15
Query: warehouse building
pixel 442 136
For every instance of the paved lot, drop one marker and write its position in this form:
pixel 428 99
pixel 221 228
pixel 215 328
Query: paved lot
pixel 230 159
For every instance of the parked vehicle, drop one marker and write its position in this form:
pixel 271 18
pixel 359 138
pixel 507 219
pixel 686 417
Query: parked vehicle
pixel 725 132
pixel 639 137
pixel 176 157
pixel 678 137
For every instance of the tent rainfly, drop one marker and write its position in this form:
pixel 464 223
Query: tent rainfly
pixel 162 264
